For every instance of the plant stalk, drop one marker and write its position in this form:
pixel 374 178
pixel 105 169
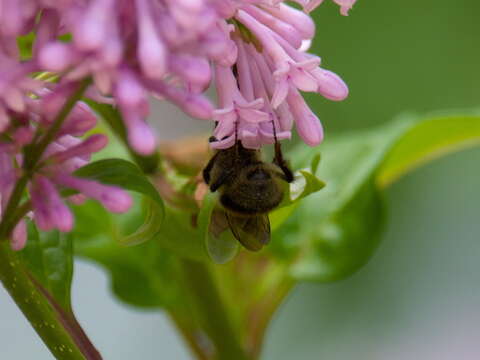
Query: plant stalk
pixel 57 327
pixel 211 311
pixel 47 322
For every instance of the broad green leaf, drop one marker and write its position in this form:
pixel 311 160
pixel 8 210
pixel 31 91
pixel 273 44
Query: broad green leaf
pixel 49 258
pixel 140 275
pixel 181 236
pixel 428 140
pixel 128 176
pixel 340 226
pixel 149 164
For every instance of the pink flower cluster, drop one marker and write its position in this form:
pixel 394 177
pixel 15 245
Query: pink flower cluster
pixel 254 50
pixel 133 48
pixel 66 153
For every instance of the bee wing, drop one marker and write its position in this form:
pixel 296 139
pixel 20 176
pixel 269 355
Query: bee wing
pixel 253 231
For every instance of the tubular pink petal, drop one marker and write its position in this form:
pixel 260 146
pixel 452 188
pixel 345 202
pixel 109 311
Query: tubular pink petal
pixel 141 137
pixel 252 115
pixel 193 69
pixel 330 85
pixel 11 19
pixel 55 56
pixel 92 144
pixel 49 210
pixel 345 6
pixel 307 124
pixel 302 79
pixel 193 104
pixel 14 99
pixel 298 19
pixel 225 126
pixel 79 121
pixel 47 29
pixel 311 5
pixel 112 198
pixel 224 143
pixel 283 29
pixel 151 50
pixel 245 83
pixel 91 29
pixel 281 91
pixel 129 91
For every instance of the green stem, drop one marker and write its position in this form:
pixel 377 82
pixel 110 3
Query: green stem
pixel 36 307
pixel 264 311
pixel 211 311
pixel 57 327
pixel 188 333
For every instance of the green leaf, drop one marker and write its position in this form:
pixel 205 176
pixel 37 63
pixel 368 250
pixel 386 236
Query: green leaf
pixel 149 164
pixel 38 280
pixel 49 258
pixel 341 226
pixel 43 289
pixel 127 175
pixel 426 141
pixel 305 183
pixel 140 275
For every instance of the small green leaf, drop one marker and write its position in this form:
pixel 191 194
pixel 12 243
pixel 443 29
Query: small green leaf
pixel 127 175
pixel 314 164
pixel 150 227
pixel 305 183
pixel 49 257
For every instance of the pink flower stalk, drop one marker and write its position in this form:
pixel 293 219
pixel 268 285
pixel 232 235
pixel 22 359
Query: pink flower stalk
pixel 254 50
pixel 135 48
pixel 68 152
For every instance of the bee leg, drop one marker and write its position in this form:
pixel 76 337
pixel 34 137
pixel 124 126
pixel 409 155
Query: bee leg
pixel 282 163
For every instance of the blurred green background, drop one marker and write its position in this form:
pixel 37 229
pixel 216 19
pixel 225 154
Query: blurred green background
pixel 418 297
pixel 398 56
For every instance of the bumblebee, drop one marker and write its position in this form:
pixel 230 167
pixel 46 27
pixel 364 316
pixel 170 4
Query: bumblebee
pixel 249 189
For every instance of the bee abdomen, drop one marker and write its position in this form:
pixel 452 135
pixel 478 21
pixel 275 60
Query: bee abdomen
pixel 251 204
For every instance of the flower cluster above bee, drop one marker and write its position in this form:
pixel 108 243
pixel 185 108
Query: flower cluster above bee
pixel 254 52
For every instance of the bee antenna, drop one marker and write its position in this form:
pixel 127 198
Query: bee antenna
pixel 274 132
pixel 279 160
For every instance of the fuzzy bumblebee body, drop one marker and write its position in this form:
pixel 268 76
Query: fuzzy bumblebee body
pixel 249 189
